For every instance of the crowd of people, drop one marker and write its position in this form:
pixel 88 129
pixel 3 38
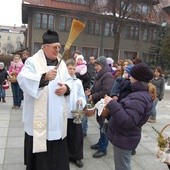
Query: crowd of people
pixel 50 96
pixel 10 75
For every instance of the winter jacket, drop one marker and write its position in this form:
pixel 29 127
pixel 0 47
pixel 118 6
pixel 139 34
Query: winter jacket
pixel 3 75
pixel 102 84
pixel 85 78
pixel 81 68
pixel 160 87
pixel 128 116
pixel 15 68
pixel 121 88
pixel 92 72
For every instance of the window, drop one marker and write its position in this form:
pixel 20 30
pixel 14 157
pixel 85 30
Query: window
pixel 38 21
pixel 146 58
pixel 129 54
pixel 93 27
pixel 51 22
pixel 37 46
pixel 85 2
pixel 65 23
pixel 45 21
pixel 145 9
pixel 149 34
pixel 126 6
pixel 109 53
pixel 18 44
pixel 69 53
pixel 142 9
pixel 132 32
pixel 87 52
pixel 108 30
pixel 9 48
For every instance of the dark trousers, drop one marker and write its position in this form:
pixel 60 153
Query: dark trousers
pixel 103 140
pixel 17 96
pixel 168 166
pixel 2 92
pixel 56 157
pixel 74 141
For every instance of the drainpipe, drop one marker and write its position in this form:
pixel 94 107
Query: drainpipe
pixel 102 36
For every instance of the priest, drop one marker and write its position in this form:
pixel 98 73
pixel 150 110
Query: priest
pixel 45 107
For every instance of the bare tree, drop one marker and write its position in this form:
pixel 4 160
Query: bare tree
pixel 123 12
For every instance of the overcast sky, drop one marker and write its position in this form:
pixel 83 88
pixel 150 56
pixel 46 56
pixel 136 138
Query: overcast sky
pixel 10 12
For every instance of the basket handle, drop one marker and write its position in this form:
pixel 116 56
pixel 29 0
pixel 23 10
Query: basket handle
pixel 4 82
pixel 164 128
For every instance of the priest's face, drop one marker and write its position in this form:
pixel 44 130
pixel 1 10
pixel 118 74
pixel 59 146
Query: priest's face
pixel 52 50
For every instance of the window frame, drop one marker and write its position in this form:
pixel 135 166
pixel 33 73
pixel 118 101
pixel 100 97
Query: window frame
pixel 90 51
pixel 130 53
pixel 67 23
pixel 91 27
pixel 132 32
pixel 81 2
pixel 149 34
pixel 39 21
pixel 107 53
pixel 110 29
pixel 37 46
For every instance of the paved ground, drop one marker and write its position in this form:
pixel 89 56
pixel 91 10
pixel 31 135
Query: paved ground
pixel 12 137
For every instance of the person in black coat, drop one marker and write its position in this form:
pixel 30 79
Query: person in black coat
pixel 3 77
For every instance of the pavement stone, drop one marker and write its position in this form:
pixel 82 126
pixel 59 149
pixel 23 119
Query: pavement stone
pixel 3 141
pixel 12 141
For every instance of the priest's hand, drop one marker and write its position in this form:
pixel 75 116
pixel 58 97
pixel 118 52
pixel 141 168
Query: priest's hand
pixel 50 75
pixel 61 90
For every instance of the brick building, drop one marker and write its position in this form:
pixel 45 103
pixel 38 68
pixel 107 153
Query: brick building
pixel 97 38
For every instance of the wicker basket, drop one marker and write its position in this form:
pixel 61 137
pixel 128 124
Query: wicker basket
pixel 163 153
pixel 89 110
pixel 12 79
